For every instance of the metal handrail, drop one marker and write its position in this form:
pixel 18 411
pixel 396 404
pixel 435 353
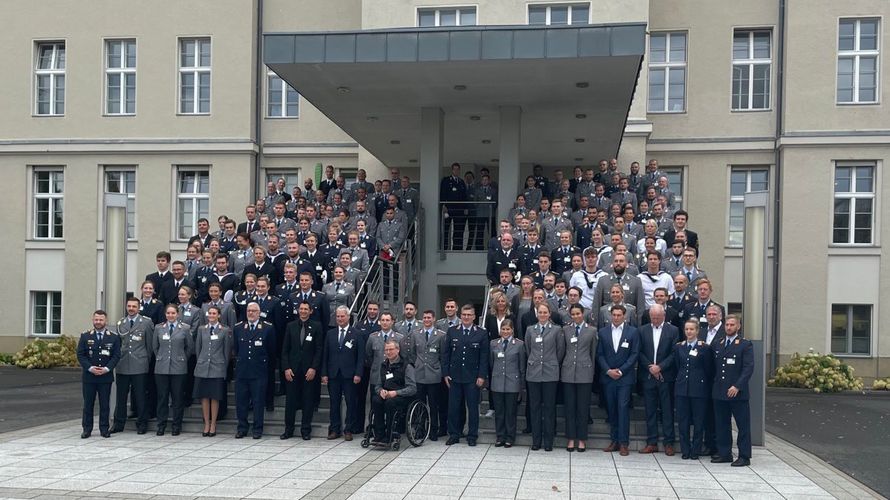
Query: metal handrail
pixel 484 315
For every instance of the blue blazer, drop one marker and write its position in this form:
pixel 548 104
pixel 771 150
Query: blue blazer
pixel 626 357
pixel 465 357
pixel 345 361
pixel 91 352
pixel 733 366
pixel 253 350
pixel 694 373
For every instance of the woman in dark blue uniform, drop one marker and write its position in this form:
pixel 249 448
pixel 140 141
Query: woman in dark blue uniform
pixel 692 389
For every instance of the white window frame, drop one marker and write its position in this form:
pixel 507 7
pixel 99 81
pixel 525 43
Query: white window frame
pixel 750 61
pixel 55 72
pixel 51 305
pixel 438 12
pixel 669 67
pixel 856 54
pixel 123 72
pixel 272 175
pixel 131 197
pixel 848 350
pixel 56 202
pixel 284 88
pixel 569 17
pixel 854 195
pixel 193 198
pixel 196 72
pixel 747 170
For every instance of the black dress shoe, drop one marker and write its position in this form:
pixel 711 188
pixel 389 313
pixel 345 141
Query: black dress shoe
pixel 141 431
pixel 433 437
pixel 115 430
pixel 176 432
pixel 106 434
pixel 257 436
pixel 498 444
pixel 286 435
pixel 570 449
pixel 508 444
pixel 741 462
pixel 211 434
pixel 693 457
pixel 548 448
pixel 452 441
pixel 85 434
pixel 205 434
pixel 471 442
pixel 239 435
pixel 307 437
pixel 160 432
pixel 685 456
pixel 442 434
pixel 721 460
pixel 581 450
pixel 536 447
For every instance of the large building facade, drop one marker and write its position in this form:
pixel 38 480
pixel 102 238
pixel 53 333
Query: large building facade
pixel 173 106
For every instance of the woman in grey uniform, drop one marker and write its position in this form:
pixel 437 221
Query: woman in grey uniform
pixel 171 346
pixel 213 346
pixel 507 361
pixel 577 376
pixel 545 348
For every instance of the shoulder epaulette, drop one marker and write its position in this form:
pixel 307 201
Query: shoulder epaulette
pixel 154 301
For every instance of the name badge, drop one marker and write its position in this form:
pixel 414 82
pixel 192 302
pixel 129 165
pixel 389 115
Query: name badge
pixel 626 287
pixel 240 255
pixel 567 260
pixel 165 336
pixel 409 200
pixel 258 343
pixel 488 198
pixel 348 344
pixel 105 352
pixel 693 352
pixel 730 361
pixel 187 313
pixel 389 376
pixel 454 189
pixel 574 340
pixel 318 268
pixel 625 345
pixel 263 314
pixel 433 349
pixel 136 338
pixel 341 291
pixel 214 337
pixel 308 338
pixel 539 339
pixel 500 355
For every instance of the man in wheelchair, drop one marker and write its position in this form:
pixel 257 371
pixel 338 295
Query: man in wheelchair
pixel 392 393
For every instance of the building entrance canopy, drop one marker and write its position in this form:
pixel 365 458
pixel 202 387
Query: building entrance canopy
pixel 573 85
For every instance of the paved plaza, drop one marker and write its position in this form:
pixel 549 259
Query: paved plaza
pixel 51 461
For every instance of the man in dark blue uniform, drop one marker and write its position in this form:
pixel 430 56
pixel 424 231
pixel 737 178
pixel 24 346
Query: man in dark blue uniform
pixel 453 188
pixel 271 312
pixel 98 352
pixel 254 342
pixel 734 365
pixel 464 368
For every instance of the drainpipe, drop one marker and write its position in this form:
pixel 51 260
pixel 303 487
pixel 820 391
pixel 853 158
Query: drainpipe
pixel 777 224
pixel 258 103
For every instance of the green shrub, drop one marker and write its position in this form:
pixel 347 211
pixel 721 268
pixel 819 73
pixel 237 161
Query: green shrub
pixel 47 353
pixel 819 372
pixel 881 384
pixel 5 358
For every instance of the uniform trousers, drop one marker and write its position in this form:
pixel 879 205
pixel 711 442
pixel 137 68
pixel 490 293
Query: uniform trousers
pixel 90 391
pixel 429 394
pixel 384 411
pixel 542 401
pixel 361 403
pixel 299 394
pixel 691 411
pixel 250 391
pixel 618 408
pixel 741 412
pixel 505 404
pixel 126 384
pixel 151 390
pixel 339 389
pixel 658 397
pixel 443 409
pixel 709 441
pixel 577 408
pixel 170 386
pixel 463 395
pixel 188 384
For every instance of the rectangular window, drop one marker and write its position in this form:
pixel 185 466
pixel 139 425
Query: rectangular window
pixel 751 62
pixel 850 329
pixel 854 198
pixel 124 182
pixel 192 200
pixel 453 16
pixel 49 78
pixel 675 184
pixel 49 188
pixel 667 72
pixel 194 76
pixel 743 180
pixel 46 313
pixel 291 178
pixel 556 15
pixel 858 51
pixel 284 101
pixel 120 77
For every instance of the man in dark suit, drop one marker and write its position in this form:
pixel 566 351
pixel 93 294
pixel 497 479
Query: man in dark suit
pixel 162 275
pixel 699 308
pixel 251 224
pixel 657 372
pixel 504 257
pixel 301 361
pixel 453 188
pixel 680 220
pixel 734 365
pixel 464 368
pixel 617 350
pixel 341 371
pixel 329 182
pixel 254 341
pixel 98 352
pixel 660 295
pixel 170 288
pixel 262 267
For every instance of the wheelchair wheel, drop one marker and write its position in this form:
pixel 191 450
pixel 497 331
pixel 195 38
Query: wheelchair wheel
pixel 396 444
pixel 366 442
pixel 418 423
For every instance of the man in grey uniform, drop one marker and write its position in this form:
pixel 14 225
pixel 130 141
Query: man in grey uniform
pixel 135 332
pixel 425 353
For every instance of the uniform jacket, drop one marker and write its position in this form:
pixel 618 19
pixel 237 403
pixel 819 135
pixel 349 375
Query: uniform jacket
pixel 633 291
pixel 360 258
pixel 317 302
pixel 135 344
pixel 625 359
pixel 426 355
pixel 733 366
pixel 605 315
pixel 545 348
pixel 508 365
pixel 498 260
pixel 390 233
pixel 213 351
pixel 343 361
pixel 91 352
pixel 336 298
pixel 695 372
pixel 153 310
pixel 227 314
pixel 302 352
pixel 665 355
pixel 561 258
pixel 253 350
pixel 172 351
pixel 466 356
pixel 578 365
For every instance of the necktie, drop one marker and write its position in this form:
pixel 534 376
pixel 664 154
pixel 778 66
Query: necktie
pixel 559 303
pixel 131 323
pixel 342 336
pixel 577 330
pixel 385 336
pixel 171 329
pixel 252 327
pixel 728 341
pixel 428 333
pixel 689 347
pixel 504 344
pixel 689 276
pixel 338 286
pixel 211 329
pixel 99 335
pixel 466 331
pixel 504 287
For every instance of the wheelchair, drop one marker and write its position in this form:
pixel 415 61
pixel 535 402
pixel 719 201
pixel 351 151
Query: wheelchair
pixel 414 421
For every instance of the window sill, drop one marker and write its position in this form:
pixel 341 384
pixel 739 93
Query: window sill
pixel 45 336
pixel 835 249
pixel 667 112
pixel 845 104
pixel 767 110
pixel 118 115
pixel 192 114
pixel 853 356
pixel 35 115
pixel 283 117
pixel 45 244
